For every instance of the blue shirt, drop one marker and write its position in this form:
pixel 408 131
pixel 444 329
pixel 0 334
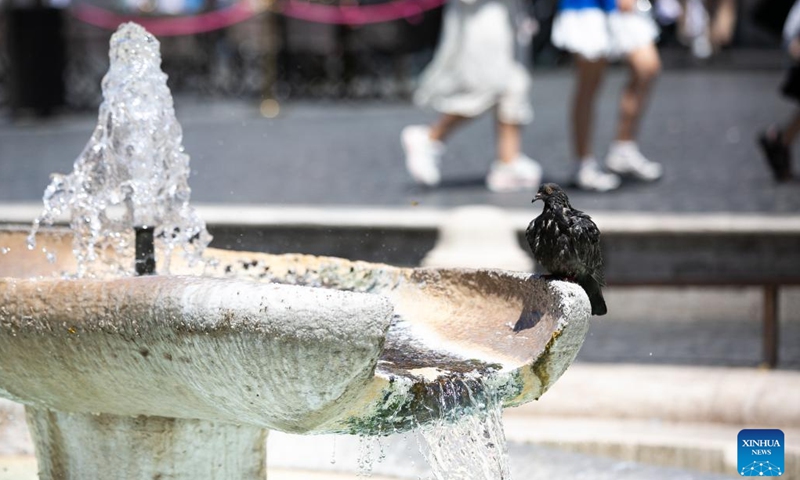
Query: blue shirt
pixel 605 5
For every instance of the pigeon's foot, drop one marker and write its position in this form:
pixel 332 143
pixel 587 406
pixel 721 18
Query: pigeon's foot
pixel 550 276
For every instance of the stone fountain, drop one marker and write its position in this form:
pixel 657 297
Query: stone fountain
pixel 181 374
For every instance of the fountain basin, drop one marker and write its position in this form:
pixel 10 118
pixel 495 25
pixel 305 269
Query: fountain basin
pixel 295 343
pixel 186 347
pixel 182 376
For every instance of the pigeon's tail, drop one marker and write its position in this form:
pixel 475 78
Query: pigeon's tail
pixel 592 288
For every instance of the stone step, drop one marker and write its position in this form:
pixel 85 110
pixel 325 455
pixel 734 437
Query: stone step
pixel 741 397
pixel 685 417
pixel 702 447
pixel 23 467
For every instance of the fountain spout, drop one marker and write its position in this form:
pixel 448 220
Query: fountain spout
pixel 145 253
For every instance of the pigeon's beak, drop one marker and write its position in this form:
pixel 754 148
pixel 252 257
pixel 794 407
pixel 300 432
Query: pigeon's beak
pixel 537 197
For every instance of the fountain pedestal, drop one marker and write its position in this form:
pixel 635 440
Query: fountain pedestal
pixel 77 446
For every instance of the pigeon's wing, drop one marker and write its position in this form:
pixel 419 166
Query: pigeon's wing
pixel 532 232
pixel 544 237
pixel 586 236
pixel 537 238
pixel 584 227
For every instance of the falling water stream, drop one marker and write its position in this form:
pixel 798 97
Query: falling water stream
pixel 471 447
pixel 460 440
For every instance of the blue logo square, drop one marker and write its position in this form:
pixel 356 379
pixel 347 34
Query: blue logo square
pixel 761 453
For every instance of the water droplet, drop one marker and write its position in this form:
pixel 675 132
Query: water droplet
pixel 5 250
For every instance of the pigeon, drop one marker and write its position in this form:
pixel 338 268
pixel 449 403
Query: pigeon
pixel 566 242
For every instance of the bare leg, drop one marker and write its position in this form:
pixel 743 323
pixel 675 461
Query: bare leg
pixel 645 65
pixel 511 172
pixel 588 175
pixel 589 78
pixel 722 22
pixel 445 126
pixel 508 141
pixel 682 35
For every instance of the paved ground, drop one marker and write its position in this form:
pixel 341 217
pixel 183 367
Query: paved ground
pixel 403 460
pixel 701 126
pixel 526 463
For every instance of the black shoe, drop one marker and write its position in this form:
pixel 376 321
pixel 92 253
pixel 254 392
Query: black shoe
pixel 778 155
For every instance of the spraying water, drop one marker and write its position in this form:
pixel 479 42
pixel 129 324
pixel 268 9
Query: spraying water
pixel 133 172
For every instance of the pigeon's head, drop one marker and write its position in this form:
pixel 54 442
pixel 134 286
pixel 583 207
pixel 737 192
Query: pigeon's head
pixel 551 194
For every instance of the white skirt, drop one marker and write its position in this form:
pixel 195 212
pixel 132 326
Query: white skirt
pixel 593 33
pixel 480 62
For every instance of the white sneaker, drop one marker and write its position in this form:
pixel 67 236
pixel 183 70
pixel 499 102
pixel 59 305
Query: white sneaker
pixel 624 158
pixel 702 48
pixel 522 174
pixel 591 177
pixel 423 155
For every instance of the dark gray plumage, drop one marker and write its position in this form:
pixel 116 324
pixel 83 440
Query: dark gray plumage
pixel 567 243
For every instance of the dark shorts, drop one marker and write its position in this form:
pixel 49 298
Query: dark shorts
pixel 791 84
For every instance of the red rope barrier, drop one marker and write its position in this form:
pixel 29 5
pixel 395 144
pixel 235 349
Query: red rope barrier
pixel 357 14
pixel 166 26
pixel 242 10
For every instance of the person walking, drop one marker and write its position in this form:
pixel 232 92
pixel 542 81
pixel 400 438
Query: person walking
pixel 596 31
pixel 480 64
pixel 776 142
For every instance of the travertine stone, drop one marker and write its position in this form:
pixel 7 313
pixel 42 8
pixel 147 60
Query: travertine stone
pixel 275 356
pixel 295 343
pixel 80 446
pixel 329 369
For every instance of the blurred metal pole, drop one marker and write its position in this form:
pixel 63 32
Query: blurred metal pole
pixel 145 263
pixel 347 57
pixel 770 337
pixel 272 45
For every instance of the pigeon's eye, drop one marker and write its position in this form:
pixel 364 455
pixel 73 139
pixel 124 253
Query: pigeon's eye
pixel 548 190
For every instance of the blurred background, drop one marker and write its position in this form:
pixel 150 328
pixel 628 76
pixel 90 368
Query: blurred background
pixel 292 112
pixel 283 49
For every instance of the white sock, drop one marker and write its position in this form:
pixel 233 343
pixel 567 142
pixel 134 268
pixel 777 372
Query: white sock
pixel 623 145
pixel 587 162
